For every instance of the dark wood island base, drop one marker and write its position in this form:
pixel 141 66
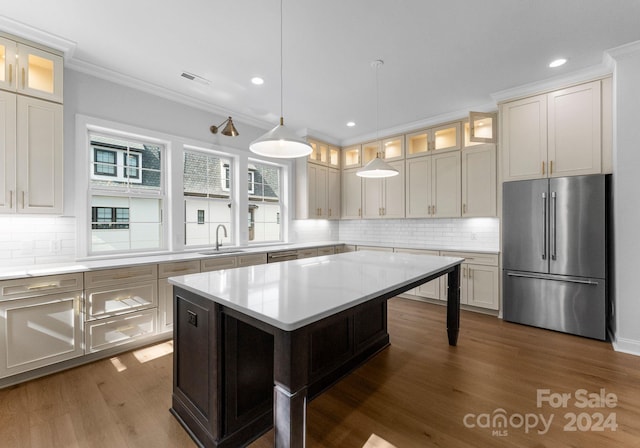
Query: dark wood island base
pixel 236 377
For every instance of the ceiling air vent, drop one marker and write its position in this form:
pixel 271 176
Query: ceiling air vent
pixel 196 78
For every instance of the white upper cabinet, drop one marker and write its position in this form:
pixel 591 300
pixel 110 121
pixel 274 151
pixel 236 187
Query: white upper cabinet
pixel 333 194
pixel 574 127
pixel 31 71
pixel 31 152
pixel 479 181
pixel 384 198
pixel 433 186
pixel 554 134
pixel 351 195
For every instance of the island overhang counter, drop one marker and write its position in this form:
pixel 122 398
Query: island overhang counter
pixel 252 345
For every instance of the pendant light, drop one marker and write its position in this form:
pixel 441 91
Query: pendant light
pixel 281 142
pixel 377 168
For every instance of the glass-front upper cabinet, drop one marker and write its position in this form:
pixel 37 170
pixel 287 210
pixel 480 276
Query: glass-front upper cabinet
pixel 8 52
pixel 393 148
pixel 324 153
pixel 481 128
pixel 333 159
pixel 389 149
pixel 438 139
pixel 351 156
pixel 39 73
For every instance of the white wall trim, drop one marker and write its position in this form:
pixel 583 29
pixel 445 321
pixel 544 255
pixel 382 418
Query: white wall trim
pixel 421 124
pixel 630 346
pixel 624 50
pixel 588 74
pixel 38 36
pixel 159 91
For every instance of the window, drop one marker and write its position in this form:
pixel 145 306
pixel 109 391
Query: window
pixel 105 162
pixel 265 205
pixel 109 218
pixel 126 195
pixel 207 196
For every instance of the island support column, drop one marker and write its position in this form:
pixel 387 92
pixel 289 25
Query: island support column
pixel 291 375
pixel 453 305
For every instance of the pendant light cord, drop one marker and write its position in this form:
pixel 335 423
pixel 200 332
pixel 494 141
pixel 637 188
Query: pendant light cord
pixel 281 82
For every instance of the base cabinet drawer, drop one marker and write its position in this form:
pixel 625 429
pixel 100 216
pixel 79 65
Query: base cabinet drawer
pixel 39 331
pixel 326 251
pixel 105 333
pixel 111 301
pixel 307 253
pixel 251 260
pixel 216 264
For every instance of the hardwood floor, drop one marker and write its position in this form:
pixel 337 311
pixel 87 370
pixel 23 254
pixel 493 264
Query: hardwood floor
pixel 416 393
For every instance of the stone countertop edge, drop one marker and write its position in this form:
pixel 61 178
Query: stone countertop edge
pixel 83 265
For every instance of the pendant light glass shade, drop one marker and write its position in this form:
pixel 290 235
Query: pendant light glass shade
pixel 282 143
pixel 377 168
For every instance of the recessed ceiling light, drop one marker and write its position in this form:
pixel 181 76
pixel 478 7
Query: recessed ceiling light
pixel 557 62
pixel 351 124
pixel 256 80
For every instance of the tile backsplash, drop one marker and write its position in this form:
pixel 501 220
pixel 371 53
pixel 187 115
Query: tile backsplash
pixel 29 240
pixel 460 234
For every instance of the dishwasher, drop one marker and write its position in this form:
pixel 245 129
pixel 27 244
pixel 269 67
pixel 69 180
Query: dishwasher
pixel 273 257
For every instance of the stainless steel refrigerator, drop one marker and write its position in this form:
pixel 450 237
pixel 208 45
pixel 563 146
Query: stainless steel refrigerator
pixel 555 253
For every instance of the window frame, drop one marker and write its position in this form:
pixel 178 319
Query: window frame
pixel 172 234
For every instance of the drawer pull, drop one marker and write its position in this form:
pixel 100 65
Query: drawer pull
pixel 120 299
pixel 125 328
pixel 48 285
pixel 122 276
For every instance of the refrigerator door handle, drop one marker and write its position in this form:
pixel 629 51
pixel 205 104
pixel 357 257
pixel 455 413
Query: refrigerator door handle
pixel 569 280
pixel 544 226
pixel 553 238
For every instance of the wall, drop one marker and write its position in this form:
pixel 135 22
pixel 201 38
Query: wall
pixel 461 234
pixel 626 192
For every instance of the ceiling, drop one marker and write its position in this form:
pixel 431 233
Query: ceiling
pixel 440 56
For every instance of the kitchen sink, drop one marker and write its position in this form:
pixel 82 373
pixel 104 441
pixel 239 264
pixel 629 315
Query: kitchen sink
pixel 222 252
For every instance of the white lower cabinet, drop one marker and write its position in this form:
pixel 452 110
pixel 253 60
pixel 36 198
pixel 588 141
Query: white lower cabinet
pixel 429 290
pixel 40 322
pixel 165 290
pixel 479 282
pixel 121 305
pixel 110 332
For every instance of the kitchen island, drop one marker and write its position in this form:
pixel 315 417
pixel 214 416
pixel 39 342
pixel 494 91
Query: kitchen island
pixel 252 345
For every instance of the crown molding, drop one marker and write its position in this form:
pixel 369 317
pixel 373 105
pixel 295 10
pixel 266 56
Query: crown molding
pixel 313 134
pixel 630 49
pixel 419 124
pixel 156 90
pixel 27 32
pixel 579 76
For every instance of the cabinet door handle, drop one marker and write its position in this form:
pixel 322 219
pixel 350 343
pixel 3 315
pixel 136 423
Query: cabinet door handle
pixel 359 212
pixel 329 212
pixel 22 198
pixel 10 74
pixel 464 208
pixel 23 78
pixel 543 167
pixel 10 198
pixel 551 167
pixel 464 272
pixel 429 210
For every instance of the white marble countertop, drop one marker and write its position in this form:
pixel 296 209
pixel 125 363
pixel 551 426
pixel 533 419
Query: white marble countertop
pixel 291 294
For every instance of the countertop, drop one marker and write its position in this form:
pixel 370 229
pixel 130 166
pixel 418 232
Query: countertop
pixel 16 272
pixel 107 263
pixel 291 294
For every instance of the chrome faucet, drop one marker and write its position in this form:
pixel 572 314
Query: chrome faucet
pixel 218 244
